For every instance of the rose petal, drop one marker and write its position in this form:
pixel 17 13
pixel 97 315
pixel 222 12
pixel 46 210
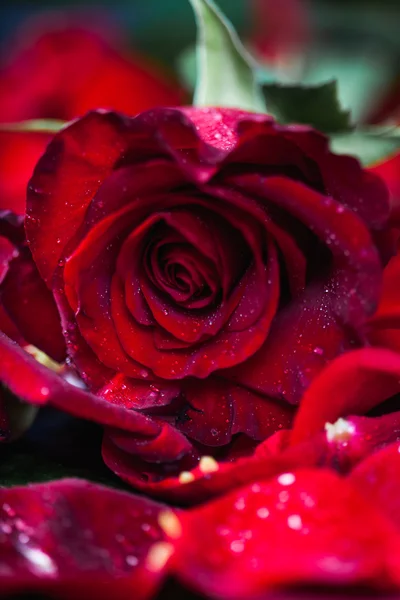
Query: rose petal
pixel 302 527
pixel 377 479
pixel 21 285
pixel 70 536
pixel 218 410
pixel 31 306
pixel 36 384
pixel 192 481
pixel 383 329
pixel 358 189
pixel 65 180
pixel 19 153
pixel 228 349
pixel 318 325
pixel 353 383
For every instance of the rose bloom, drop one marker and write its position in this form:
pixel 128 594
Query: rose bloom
pixel 61 74
pixel 207 265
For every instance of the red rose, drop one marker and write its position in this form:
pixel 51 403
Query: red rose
pixel 206 263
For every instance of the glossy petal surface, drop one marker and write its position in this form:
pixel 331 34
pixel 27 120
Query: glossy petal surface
pixel 302 527
pixel 71 537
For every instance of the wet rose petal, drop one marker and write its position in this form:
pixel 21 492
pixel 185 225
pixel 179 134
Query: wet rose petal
pixel 302 527
pixel 73 537
pixel 28 310
pixel 377 479
pixel 383 329
pixel 19 153
pixel 351 384
pixel 36 384
pixel 192 481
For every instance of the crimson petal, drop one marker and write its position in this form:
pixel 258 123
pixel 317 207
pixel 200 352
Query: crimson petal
pixel 323 322
pixel 36 384
pixel 73 538
pixel 302 527
pixel 353 383
pixel 377 478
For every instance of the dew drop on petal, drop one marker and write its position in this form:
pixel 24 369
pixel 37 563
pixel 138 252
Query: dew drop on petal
pixel 237 546
pixel 286 479
pixel 131 560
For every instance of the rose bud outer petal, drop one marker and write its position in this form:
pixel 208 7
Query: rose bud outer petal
pixel 72 537
pixel 302 527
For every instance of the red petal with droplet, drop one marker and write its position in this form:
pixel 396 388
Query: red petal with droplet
pixel 74 538
pixel 36 384
pixel 19 153
pixel 26 301
pixel 302 527
pixel 383 329
pixel 352 384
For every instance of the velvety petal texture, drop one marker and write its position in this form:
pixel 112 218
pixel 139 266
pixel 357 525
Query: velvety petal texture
pixel 206 262
pixel 30 313
pixel 38 385
pixel 19 153
pixel 301 527
pixel 71 538
pixel 354 383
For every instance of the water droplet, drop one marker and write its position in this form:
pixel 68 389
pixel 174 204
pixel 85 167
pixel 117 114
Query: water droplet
pixel 240 504
pixel 295 522
pixel 8 510
pixel 237 546
pixel 318 350
pixel 5 528
pixel 263 512
pixel 286 479
pixel 131 560
pixel 44 391
pixel 23 538
pixel 38 559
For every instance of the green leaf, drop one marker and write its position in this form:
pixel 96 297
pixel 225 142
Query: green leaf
pixel 362 74
pixel 36 125
pixel 316 105
pixel 187 69
pixel 370 146
pixel 225 70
